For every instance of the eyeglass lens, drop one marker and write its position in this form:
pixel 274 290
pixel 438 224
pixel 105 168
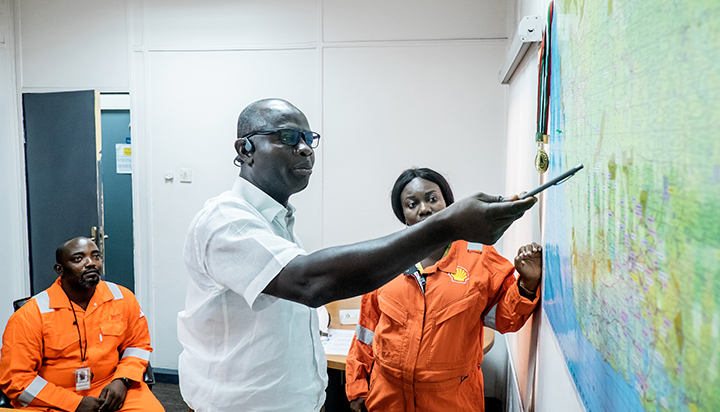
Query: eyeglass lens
pixel 291 137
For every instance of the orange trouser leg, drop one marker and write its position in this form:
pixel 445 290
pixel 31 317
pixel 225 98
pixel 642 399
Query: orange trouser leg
pixel 141 399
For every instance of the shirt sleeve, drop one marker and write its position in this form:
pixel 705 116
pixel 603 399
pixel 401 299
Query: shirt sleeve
pixel 360 359
pixel 21 358
pixel 240 251
pixel 135 349
pixel 507 310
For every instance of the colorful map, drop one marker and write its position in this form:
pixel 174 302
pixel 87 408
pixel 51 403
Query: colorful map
pixel 632 286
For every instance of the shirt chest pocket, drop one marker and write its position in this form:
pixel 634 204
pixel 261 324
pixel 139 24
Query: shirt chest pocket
pixel 391 332
pixel 62 346
pixel 453 337
pixel 111 333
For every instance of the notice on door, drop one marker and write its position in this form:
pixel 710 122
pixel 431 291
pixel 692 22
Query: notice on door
pixel 123 157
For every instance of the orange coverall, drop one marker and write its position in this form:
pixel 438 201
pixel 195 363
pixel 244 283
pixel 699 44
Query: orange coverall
pixel 424 349
pixel 41 349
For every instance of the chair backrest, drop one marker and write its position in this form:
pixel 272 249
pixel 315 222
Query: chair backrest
pixel 20 302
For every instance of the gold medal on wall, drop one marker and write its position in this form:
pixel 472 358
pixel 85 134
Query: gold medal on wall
pixel 541 161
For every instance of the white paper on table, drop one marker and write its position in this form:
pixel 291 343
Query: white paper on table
pixel 338 341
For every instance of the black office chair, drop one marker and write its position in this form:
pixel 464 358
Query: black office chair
pixel 148 376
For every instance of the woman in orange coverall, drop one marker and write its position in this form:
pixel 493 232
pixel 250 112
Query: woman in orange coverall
pixel 418 344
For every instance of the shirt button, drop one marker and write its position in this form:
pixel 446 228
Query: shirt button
pixel 95 304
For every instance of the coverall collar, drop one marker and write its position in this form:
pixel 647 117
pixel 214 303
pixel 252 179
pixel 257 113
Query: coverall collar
pixel 58 298
pixel 447 263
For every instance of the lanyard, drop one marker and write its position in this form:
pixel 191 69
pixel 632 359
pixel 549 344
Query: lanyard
pixel 543 103
pixel 83 353
pixel 543 106
pixel 419 265
pixel 422 277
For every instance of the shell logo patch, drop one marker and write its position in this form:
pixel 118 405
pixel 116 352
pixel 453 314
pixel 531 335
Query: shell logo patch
pixel 460 275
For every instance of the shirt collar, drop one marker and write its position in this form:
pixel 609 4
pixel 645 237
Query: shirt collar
pixel 266 205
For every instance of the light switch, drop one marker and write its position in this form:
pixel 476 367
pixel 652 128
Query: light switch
pixel 185 175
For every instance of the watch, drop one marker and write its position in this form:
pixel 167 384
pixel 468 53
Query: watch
pixel 127 382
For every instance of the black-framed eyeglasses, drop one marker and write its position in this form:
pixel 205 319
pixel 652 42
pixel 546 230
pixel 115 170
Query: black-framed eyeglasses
pixel 291 137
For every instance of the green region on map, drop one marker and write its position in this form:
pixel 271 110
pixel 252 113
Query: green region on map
pixel 640 103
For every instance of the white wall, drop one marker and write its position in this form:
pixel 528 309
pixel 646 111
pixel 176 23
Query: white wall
pixel 389 85
pixel 79 44
pixel 542 381
pixel 13 234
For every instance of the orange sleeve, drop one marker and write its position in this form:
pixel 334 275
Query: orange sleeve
pixel 506 306
pixel 21 357
pixel 360 358
pixel 135 350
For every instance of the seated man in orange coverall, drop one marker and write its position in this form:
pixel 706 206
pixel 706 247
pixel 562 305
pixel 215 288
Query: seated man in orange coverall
pixel 80 345
pixel 419 339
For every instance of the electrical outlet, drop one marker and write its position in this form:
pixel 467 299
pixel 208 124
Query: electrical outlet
pixel 349 316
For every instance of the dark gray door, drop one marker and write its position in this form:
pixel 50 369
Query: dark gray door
pixel 117 200
pixel 62 152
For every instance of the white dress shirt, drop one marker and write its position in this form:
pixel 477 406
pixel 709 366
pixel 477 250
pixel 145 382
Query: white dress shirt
pixel 245 350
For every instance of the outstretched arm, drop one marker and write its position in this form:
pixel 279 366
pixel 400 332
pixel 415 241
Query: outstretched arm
pixel 344 271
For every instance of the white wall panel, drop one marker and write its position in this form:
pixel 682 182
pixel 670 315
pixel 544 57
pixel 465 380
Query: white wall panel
pixel 230 23
pixel 373 20
pixel 13 236
pixel 80 44
pixel 194 99
pixel 390 108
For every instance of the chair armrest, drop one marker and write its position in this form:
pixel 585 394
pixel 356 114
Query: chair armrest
pixel 149 376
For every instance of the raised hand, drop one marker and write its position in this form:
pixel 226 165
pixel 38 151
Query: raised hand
pixel 528 263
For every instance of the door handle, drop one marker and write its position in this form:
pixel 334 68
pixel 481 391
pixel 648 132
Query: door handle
pixel 94 232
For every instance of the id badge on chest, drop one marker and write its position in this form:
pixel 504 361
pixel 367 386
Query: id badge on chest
pixel 82 378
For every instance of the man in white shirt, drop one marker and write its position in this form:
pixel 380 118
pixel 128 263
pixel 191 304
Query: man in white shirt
pixel 249 331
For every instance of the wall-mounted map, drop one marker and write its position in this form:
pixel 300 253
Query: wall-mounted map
pixel 633 241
